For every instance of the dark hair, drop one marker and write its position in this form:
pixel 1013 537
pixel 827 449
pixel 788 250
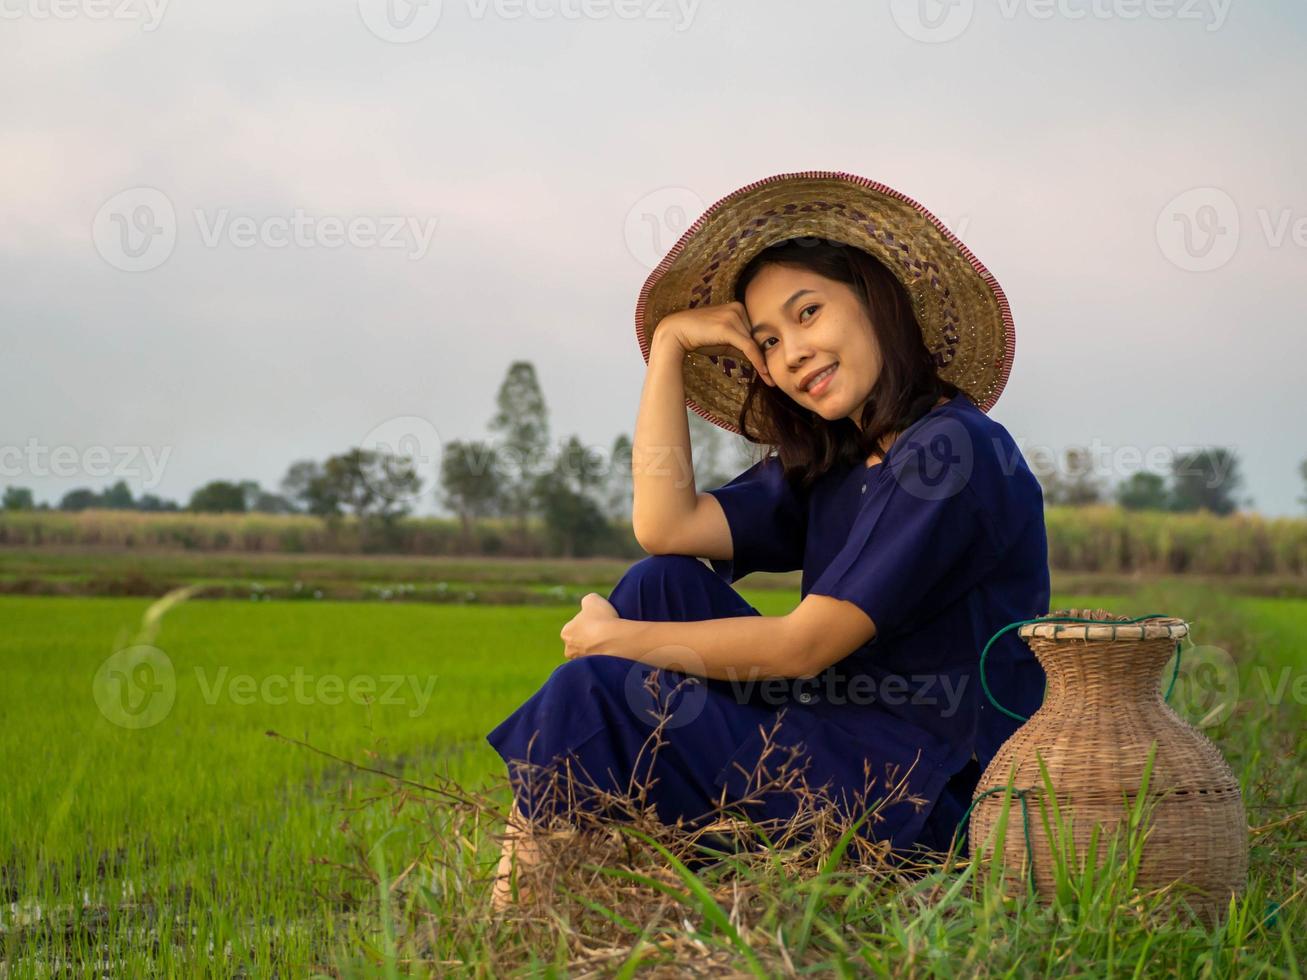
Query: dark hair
pixel 908 386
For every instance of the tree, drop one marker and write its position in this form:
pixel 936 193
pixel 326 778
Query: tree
pixel 471 481
pixel 574 521
pixel 376 486
pixel 1143 491
pixel 79 499
pixel 1082 486
pixel 708 454
pixel 118 497
pixel 18 498
pixel 305 483
pixel 149 502
pixel 1206 479
pixel 521 422
pixel 371 484
pixel 1302 472
pixel 260 501
pixel 1077 487
pixel 620 489
pixel 218 497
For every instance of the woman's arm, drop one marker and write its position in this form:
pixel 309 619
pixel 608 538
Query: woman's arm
pixel 662 469
pixel 819 632
pixel 667 513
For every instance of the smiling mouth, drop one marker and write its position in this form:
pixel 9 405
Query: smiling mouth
pixel 821 379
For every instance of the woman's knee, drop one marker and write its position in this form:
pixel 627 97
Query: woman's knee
pixel 590 675
pixel 660 567
pixel 675 588
pixel 628 695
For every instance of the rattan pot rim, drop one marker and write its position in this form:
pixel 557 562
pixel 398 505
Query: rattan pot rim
pixel 1114 627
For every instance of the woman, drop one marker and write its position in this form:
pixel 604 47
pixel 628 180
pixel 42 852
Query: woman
pixel 871 338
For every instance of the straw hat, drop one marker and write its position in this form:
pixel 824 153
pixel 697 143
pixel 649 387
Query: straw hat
pixel 963 313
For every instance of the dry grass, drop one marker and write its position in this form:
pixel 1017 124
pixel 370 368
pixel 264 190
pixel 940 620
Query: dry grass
pixel 613 885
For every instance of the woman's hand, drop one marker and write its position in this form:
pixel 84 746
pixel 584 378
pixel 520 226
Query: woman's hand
pixel 721 329
pixel 592 630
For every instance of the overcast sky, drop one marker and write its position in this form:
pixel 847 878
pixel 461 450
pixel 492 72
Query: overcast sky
pixel 178 179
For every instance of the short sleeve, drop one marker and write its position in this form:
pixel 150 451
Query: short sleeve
pixel 919 542
pixel 768 521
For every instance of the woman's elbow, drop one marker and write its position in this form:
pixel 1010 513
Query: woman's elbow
pixel 822 631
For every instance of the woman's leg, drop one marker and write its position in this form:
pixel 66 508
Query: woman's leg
pixel 519 851
pixel 600 712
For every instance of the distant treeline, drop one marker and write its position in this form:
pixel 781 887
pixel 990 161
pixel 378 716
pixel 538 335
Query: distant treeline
pixel 293 534
pixel 1098 538
pixel 577 498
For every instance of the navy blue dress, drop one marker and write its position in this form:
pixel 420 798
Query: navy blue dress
pixel 941 544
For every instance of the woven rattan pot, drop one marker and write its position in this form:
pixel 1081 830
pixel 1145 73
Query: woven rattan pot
pixel 1102 710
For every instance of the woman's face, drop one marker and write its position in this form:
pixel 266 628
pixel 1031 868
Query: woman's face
pixel 806 323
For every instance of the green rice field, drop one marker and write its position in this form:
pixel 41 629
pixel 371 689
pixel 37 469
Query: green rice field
pixel 175 836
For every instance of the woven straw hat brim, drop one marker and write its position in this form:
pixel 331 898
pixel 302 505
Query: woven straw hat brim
pixel 964 316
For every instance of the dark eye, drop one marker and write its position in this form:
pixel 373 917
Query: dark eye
pixel 806 309
pixel 763 345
